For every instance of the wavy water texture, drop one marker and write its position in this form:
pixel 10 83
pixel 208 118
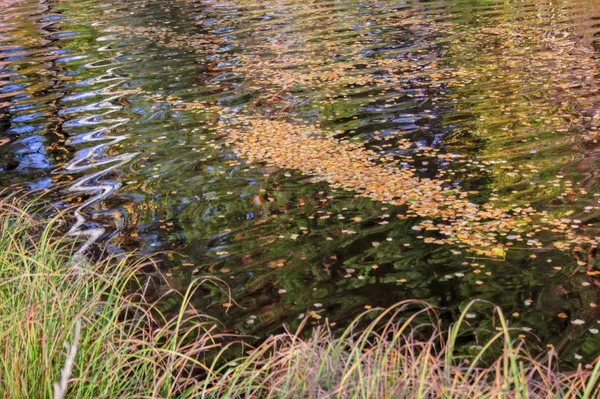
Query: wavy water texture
pixel 53 113
pixel 92 158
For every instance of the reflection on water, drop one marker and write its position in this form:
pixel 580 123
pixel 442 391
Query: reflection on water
pixel 129 110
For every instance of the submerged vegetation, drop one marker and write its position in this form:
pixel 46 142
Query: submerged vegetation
pixel 99 334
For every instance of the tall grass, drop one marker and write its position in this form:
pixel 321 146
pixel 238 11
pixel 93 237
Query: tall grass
pixel 97 335
pixel 91 334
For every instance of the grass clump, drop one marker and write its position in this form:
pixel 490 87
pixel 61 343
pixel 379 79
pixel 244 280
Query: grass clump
pixel 95 334
pixel 90 334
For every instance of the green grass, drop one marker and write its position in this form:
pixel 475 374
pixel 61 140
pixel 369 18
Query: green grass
pixel 121 345
pixel 97 334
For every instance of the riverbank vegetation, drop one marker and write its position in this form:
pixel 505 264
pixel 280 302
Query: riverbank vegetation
pixel 90 334
pixel 102 332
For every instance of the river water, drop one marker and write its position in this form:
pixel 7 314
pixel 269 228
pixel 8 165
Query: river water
pixel 323 157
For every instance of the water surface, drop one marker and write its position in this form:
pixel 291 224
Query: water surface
pixel 229 132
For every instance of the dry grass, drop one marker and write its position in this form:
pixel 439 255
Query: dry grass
pixel 390 358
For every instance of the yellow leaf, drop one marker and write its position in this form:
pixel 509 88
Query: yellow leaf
pixel 499 252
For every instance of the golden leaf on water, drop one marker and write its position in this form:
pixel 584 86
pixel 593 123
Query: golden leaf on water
pixel 499 252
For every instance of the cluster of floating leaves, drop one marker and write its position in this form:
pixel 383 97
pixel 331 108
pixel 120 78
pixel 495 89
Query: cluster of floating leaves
pixel 349 166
